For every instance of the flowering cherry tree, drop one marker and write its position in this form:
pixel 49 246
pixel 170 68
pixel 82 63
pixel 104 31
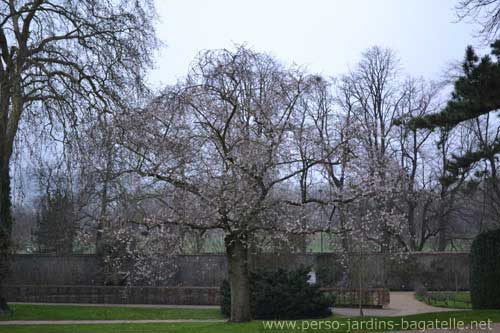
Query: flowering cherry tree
pixel 231 147
pixel 140 255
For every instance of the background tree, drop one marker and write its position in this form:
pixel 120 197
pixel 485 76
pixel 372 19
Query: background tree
pixel 57 206
pixel 330 107
pixel 416 152
pixel 100 177
pixel 56 229
pixel 63 62
pixel 474 101
pixel 484 12
pixel 377 98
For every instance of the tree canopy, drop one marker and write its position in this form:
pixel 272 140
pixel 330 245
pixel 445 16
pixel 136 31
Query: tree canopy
pixel 476 94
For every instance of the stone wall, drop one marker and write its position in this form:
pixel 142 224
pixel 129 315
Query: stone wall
pixel 113 295
pixel 46 269
pixel 160 295
pixel 436 271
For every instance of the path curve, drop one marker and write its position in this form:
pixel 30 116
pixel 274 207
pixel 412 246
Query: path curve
pixel 402 304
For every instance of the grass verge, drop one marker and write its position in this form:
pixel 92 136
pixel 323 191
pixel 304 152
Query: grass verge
pixel 67 312
pixel 447 299
pixel 251 327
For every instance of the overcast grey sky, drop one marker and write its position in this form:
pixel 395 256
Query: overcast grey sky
pixel 327 36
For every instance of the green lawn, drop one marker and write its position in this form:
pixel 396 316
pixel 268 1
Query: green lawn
pixel 447 299
pixel 252 327
pixel 65 312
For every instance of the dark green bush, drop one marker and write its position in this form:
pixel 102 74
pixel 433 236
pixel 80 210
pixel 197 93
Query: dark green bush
pixel 485 271
pixel 282 294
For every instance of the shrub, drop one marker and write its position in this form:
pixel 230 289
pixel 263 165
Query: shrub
pixel 225 305
pixel 485 271
pixel 282 294
pixel 421 291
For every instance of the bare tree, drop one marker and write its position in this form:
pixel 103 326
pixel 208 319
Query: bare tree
pixel 416 152
pixel 374 86
pixel 484 12
pixel 228 148
pixel 99 175
pixel 329 106
pixel 62 62
pixel 376 97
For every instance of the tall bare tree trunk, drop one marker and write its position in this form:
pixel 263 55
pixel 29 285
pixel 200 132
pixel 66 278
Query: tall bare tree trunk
pixel 8 128
pixel 103 216
pixel 5 227
pixel 344 236
pixel 361 267
pixel 411 226
pixel 237 259
pixel 9 123
pixel 442 235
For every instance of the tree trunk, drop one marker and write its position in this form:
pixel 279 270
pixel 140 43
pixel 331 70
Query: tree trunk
pixel 5 228
pixel 411 226
pixel 237 259
pixel 344 237
pixel 361 267
pixel 442 235
pixel 103 218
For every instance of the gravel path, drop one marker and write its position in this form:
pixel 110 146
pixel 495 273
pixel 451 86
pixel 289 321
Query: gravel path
pixel 402 304
pixel 495 329
pixel 78 322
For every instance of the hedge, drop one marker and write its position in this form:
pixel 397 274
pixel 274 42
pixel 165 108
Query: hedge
pixel 485 271
pixel 282 294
